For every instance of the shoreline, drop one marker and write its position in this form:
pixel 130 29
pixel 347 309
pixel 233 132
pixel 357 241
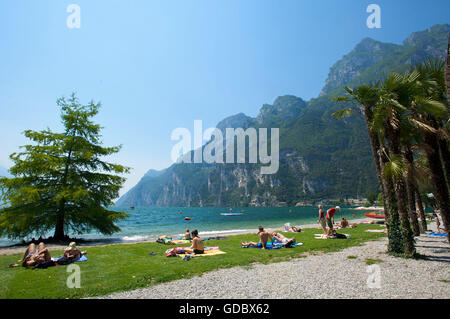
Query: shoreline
pixel 19 249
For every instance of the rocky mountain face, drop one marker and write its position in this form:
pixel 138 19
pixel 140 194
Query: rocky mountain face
pixel 320 157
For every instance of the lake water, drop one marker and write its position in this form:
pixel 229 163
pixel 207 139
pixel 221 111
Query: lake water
pixel 150 222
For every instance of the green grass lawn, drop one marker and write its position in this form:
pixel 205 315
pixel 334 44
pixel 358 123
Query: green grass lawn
pixel 122 267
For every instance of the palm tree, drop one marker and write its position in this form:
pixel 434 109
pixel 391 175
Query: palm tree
pixel 430 113
pixel 447 70
pixel 367 97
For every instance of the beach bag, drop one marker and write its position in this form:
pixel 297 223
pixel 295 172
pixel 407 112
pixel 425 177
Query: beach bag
pixel 340 236
pixel 171 252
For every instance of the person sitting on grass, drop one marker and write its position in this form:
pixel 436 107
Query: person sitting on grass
pixel 72 252
pixel 197 246
pixel 344 223
pixel 287 242
pixel 33 257
pixel 187 235
pixel 264 236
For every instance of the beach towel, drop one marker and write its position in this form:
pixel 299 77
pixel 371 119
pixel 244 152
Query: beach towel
pixel 172 252
pixel 271 245
pixel 82 258
pixel 210 252
pixel 215 238
pixel 178 242
pixel 438 234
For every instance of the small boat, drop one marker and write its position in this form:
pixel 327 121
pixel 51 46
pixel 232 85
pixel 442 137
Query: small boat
pixel 187 218
pixel 231 214
pixel 375 215
pixel 132 207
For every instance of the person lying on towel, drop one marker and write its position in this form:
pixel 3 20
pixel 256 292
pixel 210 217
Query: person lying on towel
pixel 197 246
pixel 33 256
pixel 277 237
pixel 264 236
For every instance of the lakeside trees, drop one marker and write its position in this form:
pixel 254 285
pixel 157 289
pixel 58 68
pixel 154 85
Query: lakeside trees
pixel 407 121
pixel 60 182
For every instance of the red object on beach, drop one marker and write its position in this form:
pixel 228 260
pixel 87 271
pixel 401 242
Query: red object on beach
pixel 187 218
pixel 375 215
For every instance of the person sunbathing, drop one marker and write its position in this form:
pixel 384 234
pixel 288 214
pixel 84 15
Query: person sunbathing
pixel 287 242
pixel 197 246
pixel 72 252
pixel 187 235
pixel 33 256
pixel 344 223
pixel 294 229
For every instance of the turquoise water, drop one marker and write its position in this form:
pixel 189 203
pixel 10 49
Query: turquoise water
pixel 150 222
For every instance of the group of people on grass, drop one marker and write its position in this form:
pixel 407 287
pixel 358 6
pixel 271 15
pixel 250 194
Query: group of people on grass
pixel 326 221
pixel 35 256
pixel 266 236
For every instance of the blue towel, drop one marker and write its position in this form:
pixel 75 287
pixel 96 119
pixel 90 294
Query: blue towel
pixel 271 245
pixel 438 234
pixel 82 258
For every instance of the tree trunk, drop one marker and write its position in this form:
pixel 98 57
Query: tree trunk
pixel 447 70
pixel 445 153
pixel 441 191
pixel 59 228
pixel 392 136
pixel 421 211
pixel 395 239
pixel 375 144
pixel 408 158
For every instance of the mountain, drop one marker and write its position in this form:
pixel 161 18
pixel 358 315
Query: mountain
pixel 320 157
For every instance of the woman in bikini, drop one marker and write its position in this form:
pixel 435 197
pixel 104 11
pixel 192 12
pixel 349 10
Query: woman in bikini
pixel 197 246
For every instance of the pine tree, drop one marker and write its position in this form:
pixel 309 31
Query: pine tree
pixel 60 181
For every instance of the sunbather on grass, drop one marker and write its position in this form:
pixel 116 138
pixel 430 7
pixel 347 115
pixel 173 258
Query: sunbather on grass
pixel 197 246
pixel 264 237
pixel 72 252
pixel 34 256
pixel 277 237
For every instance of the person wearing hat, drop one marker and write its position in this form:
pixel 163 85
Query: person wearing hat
pixel 330 218
pixel 72 252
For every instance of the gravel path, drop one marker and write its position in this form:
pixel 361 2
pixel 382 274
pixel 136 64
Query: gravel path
pixel 332 275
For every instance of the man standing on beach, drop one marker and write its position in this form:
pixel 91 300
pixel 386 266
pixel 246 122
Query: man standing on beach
pixel 330 218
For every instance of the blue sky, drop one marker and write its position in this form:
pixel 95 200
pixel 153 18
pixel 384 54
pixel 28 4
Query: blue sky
pixel 159 65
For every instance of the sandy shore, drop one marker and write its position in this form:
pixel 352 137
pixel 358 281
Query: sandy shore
pixel 20 249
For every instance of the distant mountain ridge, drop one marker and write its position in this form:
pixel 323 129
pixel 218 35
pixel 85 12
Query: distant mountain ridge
pixel 320 157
